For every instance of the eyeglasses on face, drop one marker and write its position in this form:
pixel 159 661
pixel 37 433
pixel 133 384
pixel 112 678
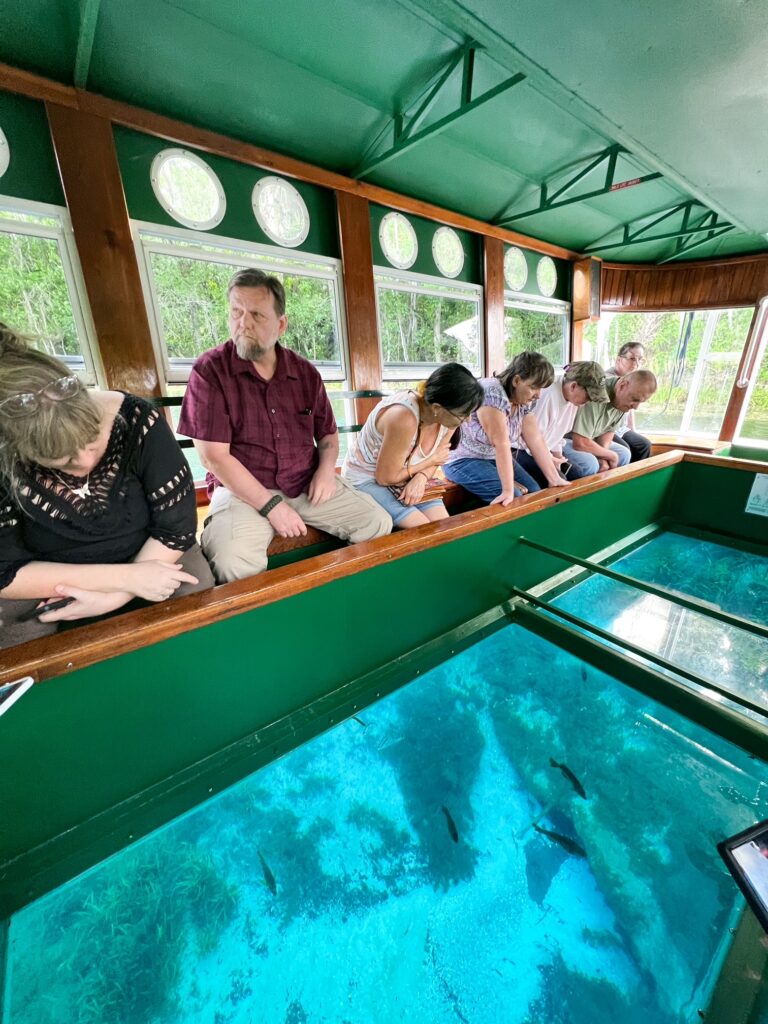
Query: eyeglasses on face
pixel 28 402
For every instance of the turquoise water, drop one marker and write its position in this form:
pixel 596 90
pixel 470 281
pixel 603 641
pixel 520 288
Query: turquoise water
pixel 389 870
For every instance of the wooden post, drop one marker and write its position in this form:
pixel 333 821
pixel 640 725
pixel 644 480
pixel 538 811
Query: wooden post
pixel 493 306
pixel 365 365
pixel 90 175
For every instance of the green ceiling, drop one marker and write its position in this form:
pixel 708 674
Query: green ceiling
pixel 682 87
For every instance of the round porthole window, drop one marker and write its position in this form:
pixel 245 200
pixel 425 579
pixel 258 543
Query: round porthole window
pixel 187 189
pixel 515 269
pixel 448 252
pixel 546 276
pixel 398 240
pixel 5 153
pixel 280 211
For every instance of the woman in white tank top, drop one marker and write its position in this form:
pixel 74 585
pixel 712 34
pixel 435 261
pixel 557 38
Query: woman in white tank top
pixel 405 439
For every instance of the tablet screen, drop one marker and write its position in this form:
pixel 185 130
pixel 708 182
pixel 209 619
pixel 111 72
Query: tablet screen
pixel 746 856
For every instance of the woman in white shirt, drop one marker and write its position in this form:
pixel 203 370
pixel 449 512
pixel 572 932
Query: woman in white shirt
pixel 405 439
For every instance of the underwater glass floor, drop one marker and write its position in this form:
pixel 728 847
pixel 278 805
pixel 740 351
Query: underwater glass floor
pixel 514 837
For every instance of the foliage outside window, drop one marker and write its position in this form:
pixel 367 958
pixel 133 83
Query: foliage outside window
pixel 187 189
pixel 754 424
pixel 41 293
pixel 423 324
pixel 694 354
pixel 186 283
pixel 536 327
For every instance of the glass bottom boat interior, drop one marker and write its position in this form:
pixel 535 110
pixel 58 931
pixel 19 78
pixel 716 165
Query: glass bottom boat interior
pixel 514 836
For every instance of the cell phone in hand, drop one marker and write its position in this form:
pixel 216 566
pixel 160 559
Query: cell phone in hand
pixel 51 606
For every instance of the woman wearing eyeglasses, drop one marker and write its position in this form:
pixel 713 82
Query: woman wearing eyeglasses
pixel 97 505
pixel 631 356
pixel 404 440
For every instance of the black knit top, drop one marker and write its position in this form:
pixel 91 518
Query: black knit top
pixel 142 487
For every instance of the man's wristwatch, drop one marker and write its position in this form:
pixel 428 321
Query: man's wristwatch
pixel 272 503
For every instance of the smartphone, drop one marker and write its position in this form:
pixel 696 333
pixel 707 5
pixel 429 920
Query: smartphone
pixel 52 606
pixel 746 857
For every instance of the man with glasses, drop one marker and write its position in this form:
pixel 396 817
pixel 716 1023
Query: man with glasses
pixel 264 429
pixel 630 357
pixel 592 437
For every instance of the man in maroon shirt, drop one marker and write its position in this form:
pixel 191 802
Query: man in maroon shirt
pixel 265 431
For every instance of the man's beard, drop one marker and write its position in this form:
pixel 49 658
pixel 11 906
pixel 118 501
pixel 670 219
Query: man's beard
pixel 249 349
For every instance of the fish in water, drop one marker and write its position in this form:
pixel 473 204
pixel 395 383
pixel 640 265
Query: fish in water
pixel 359 721
pixel 584 673
pixel 569 845
pixel 269 878
pixel 570 776
pixel 453 832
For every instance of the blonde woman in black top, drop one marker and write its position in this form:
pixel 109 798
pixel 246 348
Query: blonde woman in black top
pixel 97 503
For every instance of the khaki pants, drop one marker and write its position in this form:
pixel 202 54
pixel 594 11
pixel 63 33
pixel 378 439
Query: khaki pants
pixel 13 632
pixel 236 537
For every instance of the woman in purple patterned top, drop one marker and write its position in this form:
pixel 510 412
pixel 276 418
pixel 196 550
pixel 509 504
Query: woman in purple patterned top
pixel 483 463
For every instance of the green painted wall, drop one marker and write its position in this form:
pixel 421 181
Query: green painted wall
pixel 425 264
pixel 32 172
pixel 135 153
pixel 563 267
pixel 740 451
pixel 713 498
pixel 104 754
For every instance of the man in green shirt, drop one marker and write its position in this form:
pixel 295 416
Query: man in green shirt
pixel 591 446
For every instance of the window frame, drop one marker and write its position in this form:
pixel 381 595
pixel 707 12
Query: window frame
pixel 759 346
pixel 541 304
pixel 403 281
pixel 185 242
pixel 64 237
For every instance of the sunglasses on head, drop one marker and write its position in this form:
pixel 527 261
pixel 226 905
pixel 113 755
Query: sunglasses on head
pixel 28 402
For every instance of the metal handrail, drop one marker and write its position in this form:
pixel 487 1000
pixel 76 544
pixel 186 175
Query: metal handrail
pixel 674 596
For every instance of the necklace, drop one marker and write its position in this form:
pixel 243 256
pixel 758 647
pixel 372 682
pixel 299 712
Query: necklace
pixel 83 491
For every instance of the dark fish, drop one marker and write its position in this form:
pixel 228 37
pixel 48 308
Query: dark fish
pixel 453 832
pixel 584 673
pixel 570 776
pixel 359 721
pixel 269 878
pixel 569 845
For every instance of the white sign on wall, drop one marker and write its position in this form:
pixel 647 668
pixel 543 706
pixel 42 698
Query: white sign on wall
pixel 757 502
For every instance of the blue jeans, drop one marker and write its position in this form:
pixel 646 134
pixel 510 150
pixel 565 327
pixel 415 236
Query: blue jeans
pixel 481 478
pixel 585 463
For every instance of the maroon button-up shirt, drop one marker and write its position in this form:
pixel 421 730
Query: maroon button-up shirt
pixel 271 426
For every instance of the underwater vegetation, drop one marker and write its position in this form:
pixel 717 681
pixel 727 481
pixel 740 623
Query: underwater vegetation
pixel 125 942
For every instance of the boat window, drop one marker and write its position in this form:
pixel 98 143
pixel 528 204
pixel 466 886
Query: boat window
pixel 694 354
pixel 5 153
pixel 423 322
pixel 754 423
pixel 546 276
pixel 187 189
pixel 41 288
pixel 448 252
pixel 515 269
pixel 398 240
pixel 536 326
pixel 280 211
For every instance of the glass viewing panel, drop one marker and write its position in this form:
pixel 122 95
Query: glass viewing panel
pixel 546 276
pixel 188 297
pixel 497 834
pixel 538 329
pixel 423 325
pixel 187 189
pixel 38 292
pixel 280 211
pixel 694 355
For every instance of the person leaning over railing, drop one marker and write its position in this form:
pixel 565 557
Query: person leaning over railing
pixel 631 356
pixel 482 463
pixel 592 435
pixel 264 429
pixel 556 410
pixel 97 503
pixel 405 439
